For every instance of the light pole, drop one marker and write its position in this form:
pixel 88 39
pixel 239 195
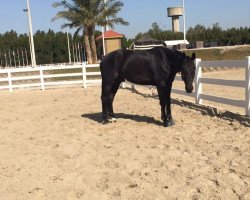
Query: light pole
pixel 184 20
pixel 103 39
pixel 68 46
pixel 6 62
pixel 32 48
pixel 106 27
pixel 103 42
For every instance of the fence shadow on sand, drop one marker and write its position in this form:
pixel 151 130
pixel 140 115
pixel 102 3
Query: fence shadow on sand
pixel 204 110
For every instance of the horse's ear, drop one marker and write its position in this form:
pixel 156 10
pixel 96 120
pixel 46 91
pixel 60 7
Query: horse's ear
pixel 193 56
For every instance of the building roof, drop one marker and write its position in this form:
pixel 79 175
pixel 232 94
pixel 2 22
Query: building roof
pixel 146 40
pixel 175 42
pixel 110 34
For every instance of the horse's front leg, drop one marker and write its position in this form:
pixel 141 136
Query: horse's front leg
pixel 112 94
pixel 162 96
pixel 169 120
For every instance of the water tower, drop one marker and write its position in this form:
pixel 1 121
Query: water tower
pixel 175 13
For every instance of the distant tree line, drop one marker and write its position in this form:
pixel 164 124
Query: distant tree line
pixel 52 47
pixel 232 36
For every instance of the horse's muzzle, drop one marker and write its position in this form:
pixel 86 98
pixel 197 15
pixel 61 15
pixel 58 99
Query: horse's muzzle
pixel 189 89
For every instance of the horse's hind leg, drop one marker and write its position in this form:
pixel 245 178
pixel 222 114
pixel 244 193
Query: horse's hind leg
pixel 165 102
pixel 106 88
pixel 112 94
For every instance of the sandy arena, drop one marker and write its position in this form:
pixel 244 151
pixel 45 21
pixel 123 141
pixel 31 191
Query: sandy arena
pixel 52 146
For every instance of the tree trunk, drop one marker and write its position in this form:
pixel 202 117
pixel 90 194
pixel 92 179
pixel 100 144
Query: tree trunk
pixel 91 32
pixel 87 46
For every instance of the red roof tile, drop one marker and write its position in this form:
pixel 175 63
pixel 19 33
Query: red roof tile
pixel 110 34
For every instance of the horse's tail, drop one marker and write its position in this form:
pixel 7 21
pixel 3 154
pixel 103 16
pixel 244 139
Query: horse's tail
pixel 111 65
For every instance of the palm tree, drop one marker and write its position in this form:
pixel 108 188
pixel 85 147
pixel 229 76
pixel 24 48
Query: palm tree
pixel 86 15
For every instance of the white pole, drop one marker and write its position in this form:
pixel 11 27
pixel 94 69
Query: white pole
pixel 198 85
pixel 73 49
pixel 13 52
pixel 31 36
pixel 26 57
pixel 184 20
pixel 103 39
pixel 76 53
pixel 84 76
pixel 6 62
pixel 18 58
pixel 247 92
pixel 10 81
pixel 42 78
pixel 10 59
pixel 31 55
pixel 103 42
pixel 23 58
pixel 79 52
pixel 106 27
pixel 68 46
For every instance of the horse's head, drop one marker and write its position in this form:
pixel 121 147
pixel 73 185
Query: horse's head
pixel 188 72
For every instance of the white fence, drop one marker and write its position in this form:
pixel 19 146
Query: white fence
pixel 84 78
pixel 199 96
pixel 40 79
pixel 199 81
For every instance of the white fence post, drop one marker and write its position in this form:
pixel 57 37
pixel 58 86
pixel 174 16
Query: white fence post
pixel 198 85
pixel 10 81
pixel 84 76
pixel 41 78
pixel 247 79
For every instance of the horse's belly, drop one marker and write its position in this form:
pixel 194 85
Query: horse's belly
pixel 140 81
pixel 138 72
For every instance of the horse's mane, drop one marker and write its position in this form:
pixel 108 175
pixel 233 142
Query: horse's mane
pixel 174 57
pixel 171 52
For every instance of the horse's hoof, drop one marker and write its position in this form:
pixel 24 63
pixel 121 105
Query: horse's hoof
pixel 105 121
pixel 169 122
pixel 109 120
pixel 112 119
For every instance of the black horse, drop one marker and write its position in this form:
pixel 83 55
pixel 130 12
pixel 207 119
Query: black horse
pixel 157 66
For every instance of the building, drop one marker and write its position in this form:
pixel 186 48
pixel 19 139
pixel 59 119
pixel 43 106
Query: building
pixel 176 44
pixel 175 13
pixel 112 41
pixel 145 42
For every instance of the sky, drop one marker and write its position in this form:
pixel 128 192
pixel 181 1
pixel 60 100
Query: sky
pixel 139 13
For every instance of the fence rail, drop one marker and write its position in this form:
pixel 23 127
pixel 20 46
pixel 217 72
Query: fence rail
pixel 43 79
pixel 199 80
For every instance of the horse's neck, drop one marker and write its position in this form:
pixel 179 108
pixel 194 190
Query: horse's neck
pixel 175 59
pixel 178 63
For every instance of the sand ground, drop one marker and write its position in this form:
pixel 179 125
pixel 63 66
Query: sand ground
pixel 53 146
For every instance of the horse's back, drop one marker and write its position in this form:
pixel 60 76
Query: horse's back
pixel 140 67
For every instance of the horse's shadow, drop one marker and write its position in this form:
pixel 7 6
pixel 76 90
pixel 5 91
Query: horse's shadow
pixel 204 110
pixel 138 118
